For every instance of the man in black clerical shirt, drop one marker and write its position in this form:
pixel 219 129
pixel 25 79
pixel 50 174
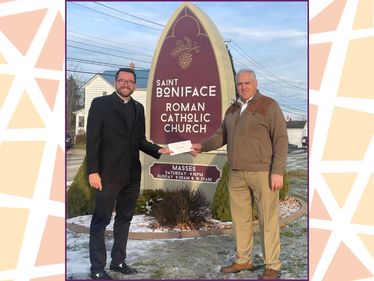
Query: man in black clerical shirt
pixel 115 134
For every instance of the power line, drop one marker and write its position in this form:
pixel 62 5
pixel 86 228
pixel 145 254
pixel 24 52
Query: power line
pixel 100 63
pixel 106 48
pixel 259 73
pixel 112 16
pixel 107 40
pixel 265 70
pixel 94 51
pixel 284 101
pixel 127 14
pixel 101 73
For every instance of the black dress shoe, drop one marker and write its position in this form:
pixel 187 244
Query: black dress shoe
pixel 100 275
pixel 123 268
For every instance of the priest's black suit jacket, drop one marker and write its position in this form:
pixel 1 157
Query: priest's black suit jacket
pixel 113 147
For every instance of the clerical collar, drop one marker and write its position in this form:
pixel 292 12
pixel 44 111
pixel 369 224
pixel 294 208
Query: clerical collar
pixel 123 99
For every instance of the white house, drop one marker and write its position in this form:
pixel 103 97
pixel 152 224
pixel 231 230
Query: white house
pixel 79 121
pixel 296 130
pixel 102 84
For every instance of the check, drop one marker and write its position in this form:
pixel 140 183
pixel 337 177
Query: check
pixel 180 147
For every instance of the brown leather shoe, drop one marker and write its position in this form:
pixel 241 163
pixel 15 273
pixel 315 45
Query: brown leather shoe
pixel 270 274
pixel 236 267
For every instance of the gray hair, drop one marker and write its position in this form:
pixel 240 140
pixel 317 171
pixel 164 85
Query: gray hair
pixel 245 70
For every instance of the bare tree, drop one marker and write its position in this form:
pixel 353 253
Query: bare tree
pixel 74 98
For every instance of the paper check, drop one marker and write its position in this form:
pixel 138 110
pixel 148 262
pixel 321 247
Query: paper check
pixel 180 147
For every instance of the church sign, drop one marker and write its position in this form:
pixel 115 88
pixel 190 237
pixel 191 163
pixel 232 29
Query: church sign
pixel 187 80
pixel 185 172
pixel 190 86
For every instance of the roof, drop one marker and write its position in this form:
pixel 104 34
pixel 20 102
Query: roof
pixel 94 77
pixel 78 111
pixel 295 124
pixel 141 77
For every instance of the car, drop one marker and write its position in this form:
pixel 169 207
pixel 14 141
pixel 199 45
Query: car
pixel 69 141
pixel 292 146
pixel 304 142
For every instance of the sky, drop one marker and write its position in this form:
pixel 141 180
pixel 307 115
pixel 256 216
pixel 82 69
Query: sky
pixel 268 37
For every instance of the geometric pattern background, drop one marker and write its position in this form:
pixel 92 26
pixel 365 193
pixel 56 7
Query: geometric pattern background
pixel 341 158
pixel 32 140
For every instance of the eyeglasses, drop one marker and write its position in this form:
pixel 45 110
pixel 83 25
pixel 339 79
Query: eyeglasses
pixel 123 81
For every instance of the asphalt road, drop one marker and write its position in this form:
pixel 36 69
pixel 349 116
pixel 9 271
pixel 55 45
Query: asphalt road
pixel 74 159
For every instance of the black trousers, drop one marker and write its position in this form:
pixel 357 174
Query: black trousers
pixel 123 196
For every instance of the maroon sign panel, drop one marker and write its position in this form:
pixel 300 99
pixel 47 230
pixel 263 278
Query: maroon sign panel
pixel 186 91
pixel 185 172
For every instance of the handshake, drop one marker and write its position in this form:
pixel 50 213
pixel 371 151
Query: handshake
pixel 181 147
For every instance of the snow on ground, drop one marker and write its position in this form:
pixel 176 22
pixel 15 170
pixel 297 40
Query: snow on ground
pixel 192 258
pixel 141 223
pixel 200 257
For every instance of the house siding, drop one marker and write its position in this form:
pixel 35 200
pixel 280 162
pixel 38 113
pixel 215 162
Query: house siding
pixel 295 133
pixel 78 130
pixel 95 88
pixel 294 136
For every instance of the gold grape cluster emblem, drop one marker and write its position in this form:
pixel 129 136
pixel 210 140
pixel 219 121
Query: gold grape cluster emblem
pixel 184 50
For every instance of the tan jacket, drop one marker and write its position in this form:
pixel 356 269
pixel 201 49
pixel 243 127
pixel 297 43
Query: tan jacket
pixel 256 140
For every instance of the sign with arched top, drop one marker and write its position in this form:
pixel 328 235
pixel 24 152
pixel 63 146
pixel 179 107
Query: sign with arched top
pixel 191 82
pixel 190 86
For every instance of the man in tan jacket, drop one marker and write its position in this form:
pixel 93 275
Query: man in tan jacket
pixel 255 132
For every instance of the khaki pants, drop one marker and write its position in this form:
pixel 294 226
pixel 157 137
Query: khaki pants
pixel 240 185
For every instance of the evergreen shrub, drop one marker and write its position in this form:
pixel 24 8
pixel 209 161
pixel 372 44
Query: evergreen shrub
pixel 80 196
pixel 286 187
pixel 147 200
pixel 221 205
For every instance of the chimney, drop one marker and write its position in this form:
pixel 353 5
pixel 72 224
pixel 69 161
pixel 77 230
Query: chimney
pixel 132 65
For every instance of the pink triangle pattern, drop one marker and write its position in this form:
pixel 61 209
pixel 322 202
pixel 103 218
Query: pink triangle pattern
pixel 317 209
pixel 319 54
pixel 52 55
pixel 58 187
pixel 26 24
pixel 52 248
pixel 346 267
pixel 328 19
pixel 313 109
pixel 317 243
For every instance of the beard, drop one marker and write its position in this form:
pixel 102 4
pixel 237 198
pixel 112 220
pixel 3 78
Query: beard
pixel 124 95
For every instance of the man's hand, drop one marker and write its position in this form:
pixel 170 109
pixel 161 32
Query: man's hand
pixel 95 181
pixel 276 182
pixel 196 149
pixel 164 150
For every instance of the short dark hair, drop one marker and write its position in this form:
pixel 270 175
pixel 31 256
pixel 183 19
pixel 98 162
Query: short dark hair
pixel 126 69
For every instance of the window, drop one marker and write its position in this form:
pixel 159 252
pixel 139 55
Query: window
pixel 105 93
pixel 81 121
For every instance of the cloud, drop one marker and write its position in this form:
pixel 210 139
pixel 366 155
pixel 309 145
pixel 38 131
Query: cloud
pixel 263 34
